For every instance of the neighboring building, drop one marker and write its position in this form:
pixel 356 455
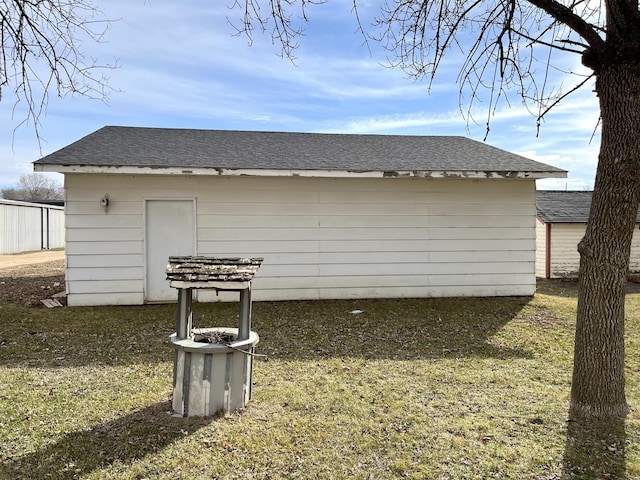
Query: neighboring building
pixel 561 223
pixel 28 226
pixel 334 216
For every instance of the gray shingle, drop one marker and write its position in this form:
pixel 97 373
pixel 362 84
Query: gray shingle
pixel 163 147
pixel 559 206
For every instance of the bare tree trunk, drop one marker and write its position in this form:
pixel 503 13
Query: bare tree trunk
pixel 598 387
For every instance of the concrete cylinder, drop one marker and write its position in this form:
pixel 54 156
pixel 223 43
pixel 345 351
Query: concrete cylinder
pixel 212 377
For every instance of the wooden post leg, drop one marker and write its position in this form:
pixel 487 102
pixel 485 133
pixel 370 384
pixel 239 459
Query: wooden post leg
pixel 185 315
pixel 244 326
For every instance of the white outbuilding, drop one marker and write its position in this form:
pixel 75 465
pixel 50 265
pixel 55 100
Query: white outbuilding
pixel 26 226
pixel 561 221
pixel 333 215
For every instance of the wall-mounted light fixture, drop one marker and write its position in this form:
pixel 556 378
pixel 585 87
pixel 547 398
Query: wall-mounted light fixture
pixel 104 202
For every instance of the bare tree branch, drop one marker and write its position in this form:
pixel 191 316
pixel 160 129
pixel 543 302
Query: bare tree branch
pixel 41 53
pixel 284 27
pixel 502 42
pixel 566 16
pixel 560 98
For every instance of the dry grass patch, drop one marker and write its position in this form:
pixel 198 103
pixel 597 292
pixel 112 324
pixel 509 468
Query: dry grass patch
pixel 430 388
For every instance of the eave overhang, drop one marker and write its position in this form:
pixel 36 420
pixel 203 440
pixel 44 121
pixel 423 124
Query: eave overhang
pixel 232 172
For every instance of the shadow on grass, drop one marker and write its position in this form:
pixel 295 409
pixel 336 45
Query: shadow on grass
pixel 558 287
pixel 402 329
pixel 80 336
pixel 568 287
pixel 399 329
pixel 122 441
pixel 595 449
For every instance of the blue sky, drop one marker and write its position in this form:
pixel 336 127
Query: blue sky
pixel 181 66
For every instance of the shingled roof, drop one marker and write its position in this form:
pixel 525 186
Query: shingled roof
pixel 560 206
pixel 222 152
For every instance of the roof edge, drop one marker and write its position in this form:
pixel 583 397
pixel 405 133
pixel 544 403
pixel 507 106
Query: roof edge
pixel 328 173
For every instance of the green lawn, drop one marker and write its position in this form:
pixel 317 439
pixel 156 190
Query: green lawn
pixel 431 388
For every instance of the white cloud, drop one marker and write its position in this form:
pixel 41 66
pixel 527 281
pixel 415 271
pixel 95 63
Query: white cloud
pixel 433 123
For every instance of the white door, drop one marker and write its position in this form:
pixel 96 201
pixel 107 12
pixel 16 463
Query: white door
pixel 169 230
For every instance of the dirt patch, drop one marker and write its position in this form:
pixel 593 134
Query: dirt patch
pixel 28 258
pixel 29 284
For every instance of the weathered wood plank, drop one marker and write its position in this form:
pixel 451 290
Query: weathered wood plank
pixel 212 269
pixel 51 303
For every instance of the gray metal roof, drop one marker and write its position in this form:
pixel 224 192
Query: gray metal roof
pixel 53 204
pixel 560 206
pixel 113 146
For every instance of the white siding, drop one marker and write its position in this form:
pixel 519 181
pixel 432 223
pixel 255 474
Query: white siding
pixel 321 238
pixel 541 248
pixel 634 259
pixel 565 259
pixel 26 226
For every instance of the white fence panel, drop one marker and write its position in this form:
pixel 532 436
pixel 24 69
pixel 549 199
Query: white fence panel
pixel 26 226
